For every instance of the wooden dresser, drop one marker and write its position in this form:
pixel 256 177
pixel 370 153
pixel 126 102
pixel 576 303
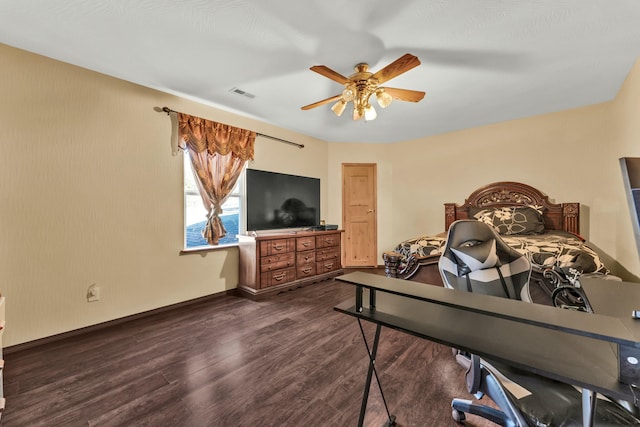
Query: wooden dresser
pixel 276 262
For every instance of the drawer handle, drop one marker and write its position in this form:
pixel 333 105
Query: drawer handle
pixel 306 244
pixel 328 265
pixel 278 247
pixel 307 270
pixel 280 276
pixel 328 241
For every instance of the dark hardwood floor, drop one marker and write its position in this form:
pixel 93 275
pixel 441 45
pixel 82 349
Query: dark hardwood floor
pixel 287 361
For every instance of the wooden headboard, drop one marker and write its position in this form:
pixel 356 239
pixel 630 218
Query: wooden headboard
pixel 560 216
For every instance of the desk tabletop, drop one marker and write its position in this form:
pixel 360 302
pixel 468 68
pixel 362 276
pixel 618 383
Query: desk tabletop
pixel 541 339
pixel 600 326
pixel 612 298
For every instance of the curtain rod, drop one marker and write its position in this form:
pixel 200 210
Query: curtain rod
pixel 169 110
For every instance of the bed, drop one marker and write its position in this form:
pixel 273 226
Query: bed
pixel 548 233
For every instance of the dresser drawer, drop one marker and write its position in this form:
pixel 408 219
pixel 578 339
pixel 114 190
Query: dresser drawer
pixel 277 262
pixel 305 243
pixel 278 277
pixel 327 266
pixel 307 257
pixel 277 246
pixel 327 254
pixel 306 270
pixel 327 240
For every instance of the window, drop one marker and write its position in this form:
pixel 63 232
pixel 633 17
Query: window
pixel 631 178
pixel 195 214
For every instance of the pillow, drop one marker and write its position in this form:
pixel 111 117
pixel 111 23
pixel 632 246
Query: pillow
pixel 476 256
pixel 511 220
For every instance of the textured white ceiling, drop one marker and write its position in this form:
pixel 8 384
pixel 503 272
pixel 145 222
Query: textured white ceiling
pixel 482 61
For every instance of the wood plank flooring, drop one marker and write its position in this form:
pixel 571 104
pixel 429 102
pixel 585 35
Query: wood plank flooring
pixel 288 361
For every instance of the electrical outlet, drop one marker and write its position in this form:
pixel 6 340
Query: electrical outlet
pixel 93 293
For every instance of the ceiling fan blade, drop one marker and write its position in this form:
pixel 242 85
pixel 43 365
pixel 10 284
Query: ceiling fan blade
pixel 405 94
pixel 397 67
pixel 319 103
pixel 328 72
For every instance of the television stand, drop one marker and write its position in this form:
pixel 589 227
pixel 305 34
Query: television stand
pixel 274 263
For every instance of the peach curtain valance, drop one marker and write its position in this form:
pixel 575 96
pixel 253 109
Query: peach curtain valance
pixel 199 135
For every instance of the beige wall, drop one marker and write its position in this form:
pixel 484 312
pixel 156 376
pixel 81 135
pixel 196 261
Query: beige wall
pixel 570 155
pixel 624 140
pixel 90 193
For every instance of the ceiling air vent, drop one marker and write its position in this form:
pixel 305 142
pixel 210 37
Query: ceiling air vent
pixel 242 92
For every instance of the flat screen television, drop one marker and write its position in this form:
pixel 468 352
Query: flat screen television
pixel 280 201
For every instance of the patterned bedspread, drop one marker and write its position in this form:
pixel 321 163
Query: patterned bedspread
pixel 559 248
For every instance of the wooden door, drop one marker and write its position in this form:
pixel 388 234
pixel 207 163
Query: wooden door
pixel 359 217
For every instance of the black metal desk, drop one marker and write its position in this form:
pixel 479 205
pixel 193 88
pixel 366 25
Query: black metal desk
pixel 570 346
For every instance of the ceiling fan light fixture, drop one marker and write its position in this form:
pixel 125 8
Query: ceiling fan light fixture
pixel 338 107
pixel 357 113
pixel 370 113
pixel 384 99
pixel 347 94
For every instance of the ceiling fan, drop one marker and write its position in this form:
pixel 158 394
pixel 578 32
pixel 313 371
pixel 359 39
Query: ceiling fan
pixel 359 87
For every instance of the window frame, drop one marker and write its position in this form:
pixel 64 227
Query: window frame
pixel 238 193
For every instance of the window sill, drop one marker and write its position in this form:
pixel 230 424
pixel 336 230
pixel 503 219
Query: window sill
pixel 204 249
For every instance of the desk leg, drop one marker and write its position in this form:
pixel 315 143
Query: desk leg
pixel 391 419
pixel 588 407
